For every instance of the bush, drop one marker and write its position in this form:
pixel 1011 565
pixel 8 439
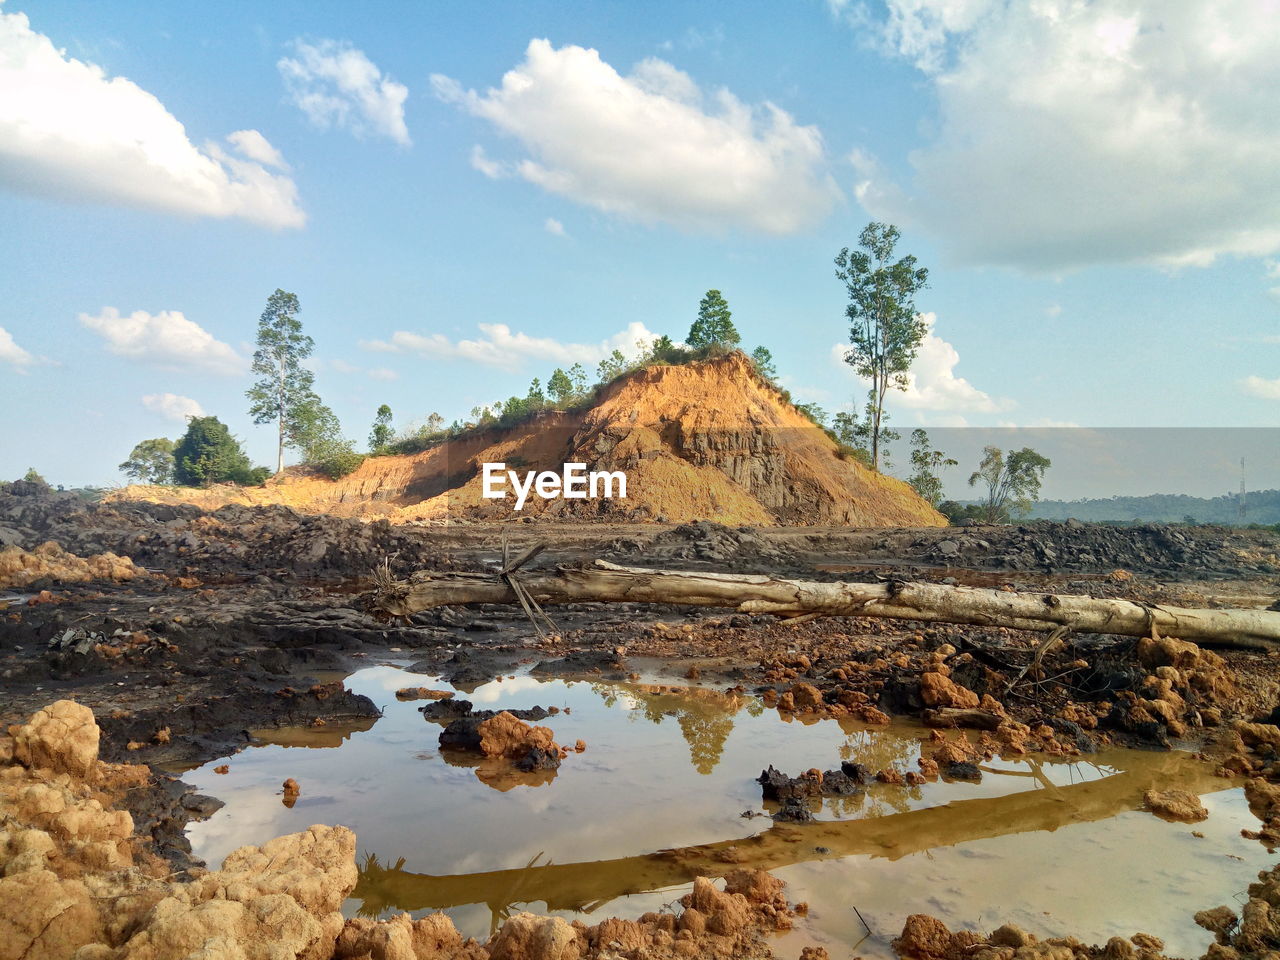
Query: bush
pixel 339 463
pixel 208 453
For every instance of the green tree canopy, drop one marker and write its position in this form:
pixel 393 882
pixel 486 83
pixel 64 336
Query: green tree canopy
pixel 283 392
pixel 884 328
pixel 208 453
pixel 1012 482
pixel 150 462
pixel 925 465
pixel 611 367
pixel 714 326
pixel 382 432
pixel 763 359
pixel 559 386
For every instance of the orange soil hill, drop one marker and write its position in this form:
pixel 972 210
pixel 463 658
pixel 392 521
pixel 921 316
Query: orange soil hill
pixel 706 440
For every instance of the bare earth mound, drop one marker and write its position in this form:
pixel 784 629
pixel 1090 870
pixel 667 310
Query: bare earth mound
pixel 707 440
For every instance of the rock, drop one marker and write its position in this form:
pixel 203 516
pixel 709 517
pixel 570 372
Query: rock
pixel 422 693
pixel 527 936
pixel 511 738
pixel 939 691
pixel 280 899
pixel 924 938
pixel 1177 805
pixel 62 737
pixel 434 937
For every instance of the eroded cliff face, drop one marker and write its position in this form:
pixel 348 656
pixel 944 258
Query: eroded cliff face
pixel 707 440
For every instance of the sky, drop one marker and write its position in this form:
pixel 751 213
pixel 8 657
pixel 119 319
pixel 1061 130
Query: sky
pixel 466 196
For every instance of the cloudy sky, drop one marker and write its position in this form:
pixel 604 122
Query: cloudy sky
pixel 465 196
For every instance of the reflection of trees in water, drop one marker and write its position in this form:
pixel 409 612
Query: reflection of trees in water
pixel 705 717
pixel 706 735
pixel 877 750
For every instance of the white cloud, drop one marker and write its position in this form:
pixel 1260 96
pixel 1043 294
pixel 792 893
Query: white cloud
pixel 166 338
pixel 490 168
pixel 13 354
pixel 382 373
pixel 1258 387
pixel 256 147
pixel 1073 133
pixel 171 406
pixel 69 131
pixel 501 347
pixel 1053 310
pixel 336 85
pixel 652 146
pixel 932 383
pixel 554 227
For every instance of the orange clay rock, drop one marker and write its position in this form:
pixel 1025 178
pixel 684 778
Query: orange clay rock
pixel 806 697
pixel 423 693
pixel 939 691
pixel 19 567
pixel 927 938
pixel 511 738
pixel 62 738
pixel 433 937
pixel 1176 805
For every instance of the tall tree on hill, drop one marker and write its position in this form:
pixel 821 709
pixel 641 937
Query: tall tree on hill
pixel 284 390
pixel 381 433
pixel 714 326
pixel 884 329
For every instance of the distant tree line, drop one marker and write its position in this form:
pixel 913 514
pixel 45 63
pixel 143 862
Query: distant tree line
pixel 1261 507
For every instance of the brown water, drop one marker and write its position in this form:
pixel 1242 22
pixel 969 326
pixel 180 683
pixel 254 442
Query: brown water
pixel 659 798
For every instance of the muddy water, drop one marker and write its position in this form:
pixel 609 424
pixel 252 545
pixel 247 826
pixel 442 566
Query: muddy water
pixel 659 796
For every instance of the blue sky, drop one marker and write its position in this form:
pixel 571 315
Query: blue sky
pixel 1092 185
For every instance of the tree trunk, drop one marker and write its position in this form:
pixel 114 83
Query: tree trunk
pixel 753 593
pixel 280 421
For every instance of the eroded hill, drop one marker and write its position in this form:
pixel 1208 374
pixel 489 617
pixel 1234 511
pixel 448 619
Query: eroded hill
pixel 707 440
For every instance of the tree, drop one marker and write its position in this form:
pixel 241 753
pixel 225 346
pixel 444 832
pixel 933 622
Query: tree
pixel 884 329
pixel 763 359
pixel 208 453
pixel 578 377
pixel 925 464
pixel 313 429
pixel 33 476
pixel 535 394
pixel 713 326
pixel 1012 482
pixel 381 433
pixel 814 413
pixel 611 367
pixel 284 387
pixel 150 462
pixel 559 386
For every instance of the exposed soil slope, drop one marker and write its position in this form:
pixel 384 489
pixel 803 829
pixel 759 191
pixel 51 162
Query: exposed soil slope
pixel 707 440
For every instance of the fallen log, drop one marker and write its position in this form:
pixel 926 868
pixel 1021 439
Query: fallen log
pixel 761 594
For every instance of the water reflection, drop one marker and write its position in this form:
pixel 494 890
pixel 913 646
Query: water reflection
pixel 656 800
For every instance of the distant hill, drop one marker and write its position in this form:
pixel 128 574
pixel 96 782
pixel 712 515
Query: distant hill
pixel 704 440
pixel 1263 506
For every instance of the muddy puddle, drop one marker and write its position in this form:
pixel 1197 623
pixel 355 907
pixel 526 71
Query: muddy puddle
pixel 659 796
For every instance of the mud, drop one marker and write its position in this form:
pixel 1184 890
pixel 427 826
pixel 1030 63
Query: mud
pixel 245 619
